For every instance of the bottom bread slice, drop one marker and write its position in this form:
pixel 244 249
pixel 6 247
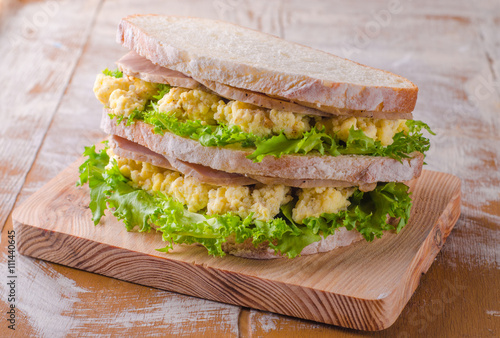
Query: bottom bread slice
pixel 341 237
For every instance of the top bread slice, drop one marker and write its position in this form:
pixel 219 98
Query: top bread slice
pixel 244 58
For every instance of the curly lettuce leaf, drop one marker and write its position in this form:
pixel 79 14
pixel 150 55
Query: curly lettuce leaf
pixel 357 144
pixel 163 89
pixel 314 140
pixel 368 212
pixel 280 145
pixel 114 73
pixel 207 135
pixel 135 207
pixel 92 171
pixel 109 188
pixel 405 144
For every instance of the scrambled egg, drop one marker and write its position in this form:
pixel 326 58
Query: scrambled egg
pixel 264 202
pixel 248 117
pixel 315 201
pixel 260 121
pixel 196 104
pixel 378 129
pixel 123 95
pixel 191 104
pixel 293 125
pixel 187 190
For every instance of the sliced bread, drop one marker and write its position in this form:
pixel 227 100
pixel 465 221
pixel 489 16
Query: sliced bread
pixel 244 58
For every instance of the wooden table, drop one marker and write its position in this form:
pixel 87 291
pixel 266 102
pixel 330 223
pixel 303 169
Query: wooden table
pixel 52 50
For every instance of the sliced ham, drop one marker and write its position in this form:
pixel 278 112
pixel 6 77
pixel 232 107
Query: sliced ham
pixel 131 150
pixel 133 64
pixel 211 176
pixel 357 113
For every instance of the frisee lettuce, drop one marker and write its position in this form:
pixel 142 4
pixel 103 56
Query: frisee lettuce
pixel 163 89
pixel 208 135
pixel 109 189
pixel 278 145
pixel 357 144
pixel 114 73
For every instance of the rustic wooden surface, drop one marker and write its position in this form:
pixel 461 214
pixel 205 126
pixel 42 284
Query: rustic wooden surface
pixel 51 50
pixel 363 286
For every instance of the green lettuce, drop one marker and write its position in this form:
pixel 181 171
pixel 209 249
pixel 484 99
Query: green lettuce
pixel 208 135
pixel 114 73
pixel 278 145
pixel 163 89
pixel 138 209
pixel 357 144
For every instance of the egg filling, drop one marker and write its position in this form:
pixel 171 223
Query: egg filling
pixel 263 202
pixel 124 95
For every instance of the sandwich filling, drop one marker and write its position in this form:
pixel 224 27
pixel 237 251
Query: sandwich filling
pixel 215 121
pixel 262 201
pixel 186 211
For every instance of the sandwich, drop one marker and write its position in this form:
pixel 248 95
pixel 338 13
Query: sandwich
pixel 248 144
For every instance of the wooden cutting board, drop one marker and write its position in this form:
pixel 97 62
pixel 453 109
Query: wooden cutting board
pixel 363 286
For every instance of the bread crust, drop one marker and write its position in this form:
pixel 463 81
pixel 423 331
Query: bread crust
pixel 341 237
pixel 134 32
pixel 348 168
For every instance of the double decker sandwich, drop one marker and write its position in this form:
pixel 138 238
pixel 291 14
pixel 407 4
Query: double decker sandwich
pixel 249 144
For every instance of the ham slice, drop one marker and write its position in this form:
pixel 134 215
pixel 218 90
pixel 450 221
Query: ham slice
pixel 131 150
pixel 133 64
pixel 211 176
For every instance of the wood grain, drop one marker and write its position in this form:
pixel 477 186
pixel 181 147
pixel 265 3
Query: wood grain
pixel 364 286
pixel 42 75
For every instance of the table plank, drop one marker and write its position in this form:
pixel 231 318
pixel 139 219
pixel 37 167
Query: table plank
pixel 39 45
